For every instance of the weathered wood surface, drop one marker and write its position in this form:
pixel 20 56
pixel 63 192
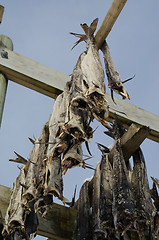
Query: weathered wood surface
pixel 109 21
pixel 58 223
pixel 4 42
pixel 51 83
pixel 134 114
pixel 1 13
pixel 22 70
pixel 131 141
pixel 3 89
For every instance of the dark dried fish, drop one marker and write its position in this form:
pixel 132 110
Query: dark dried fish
pixel 144 207
pixel 123 206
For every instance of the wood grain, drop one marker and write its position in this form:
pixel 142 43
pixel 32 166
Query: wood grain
pixel 1 13
pixel 109 21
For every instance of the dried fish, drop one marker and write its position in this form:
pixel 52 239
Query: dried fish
pixel 82 227
pixel 123 206
pixel 106 197
pixel 91 76
pixel 144 207
pixel 114 80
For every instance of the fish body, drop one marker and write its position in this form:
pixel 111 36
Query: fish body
pixel 123 205
pixel 114 79
pixel 143 203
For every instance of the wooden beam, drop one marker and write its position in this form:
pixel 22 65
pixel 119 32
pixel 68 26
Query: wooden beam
pixel 131 141
pixel 3 90
pixel 129 113
pixel 51 83
pixel 7 43
pixel 1 13
pixel 109 21
pixel 22 70
pixel 58 223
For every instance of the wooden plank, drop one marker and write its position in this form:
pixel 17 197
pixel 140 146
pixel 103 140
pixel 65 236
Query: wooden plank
pixel 3 89
pixel 22 70
pixel 5 194
pixel 131 140
pixel 51 83
pixel 7 42
pixel 134 114
pixel 58 223
pixel 109 21
pixel 1 13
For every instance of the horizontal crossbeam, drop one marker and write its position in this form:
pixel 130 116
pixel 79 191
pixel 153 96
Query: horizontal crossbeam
pixel 51 83
pixel 32 74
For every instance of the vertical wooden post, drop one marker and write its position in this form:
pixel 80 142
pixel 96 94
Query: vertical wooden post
pixel 5 42
pixel 1 13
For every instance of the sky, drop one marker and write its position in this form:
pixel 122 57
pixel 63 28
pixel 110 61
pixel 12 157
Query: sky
pixel 40 31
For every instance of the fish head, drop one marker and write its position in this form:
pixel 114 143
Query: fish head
pixel 119 88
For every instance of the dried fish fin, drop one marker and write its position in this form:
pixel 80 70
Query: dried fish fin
pixel 31 140
pixel 89 31
pixel 127 80
pixel 87 146
pixel 103 148
pixel 156 181
pixel 85 28
pixel 19 159
pixel 153 191
pixel 93 25
pixel 82 38
pixel 71 204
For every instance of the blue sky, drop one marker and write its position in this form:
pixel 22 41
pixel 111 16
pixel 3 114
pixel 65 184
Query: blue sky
pixel 40 31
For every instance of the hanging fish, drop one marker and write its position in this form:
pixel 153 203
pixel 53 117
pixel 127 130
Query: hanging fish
pixel 114 80
pixel 73 158
pixel 91 75
pixel 106 196
pixel 123 206
pixel 144 207
pixel 83 221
